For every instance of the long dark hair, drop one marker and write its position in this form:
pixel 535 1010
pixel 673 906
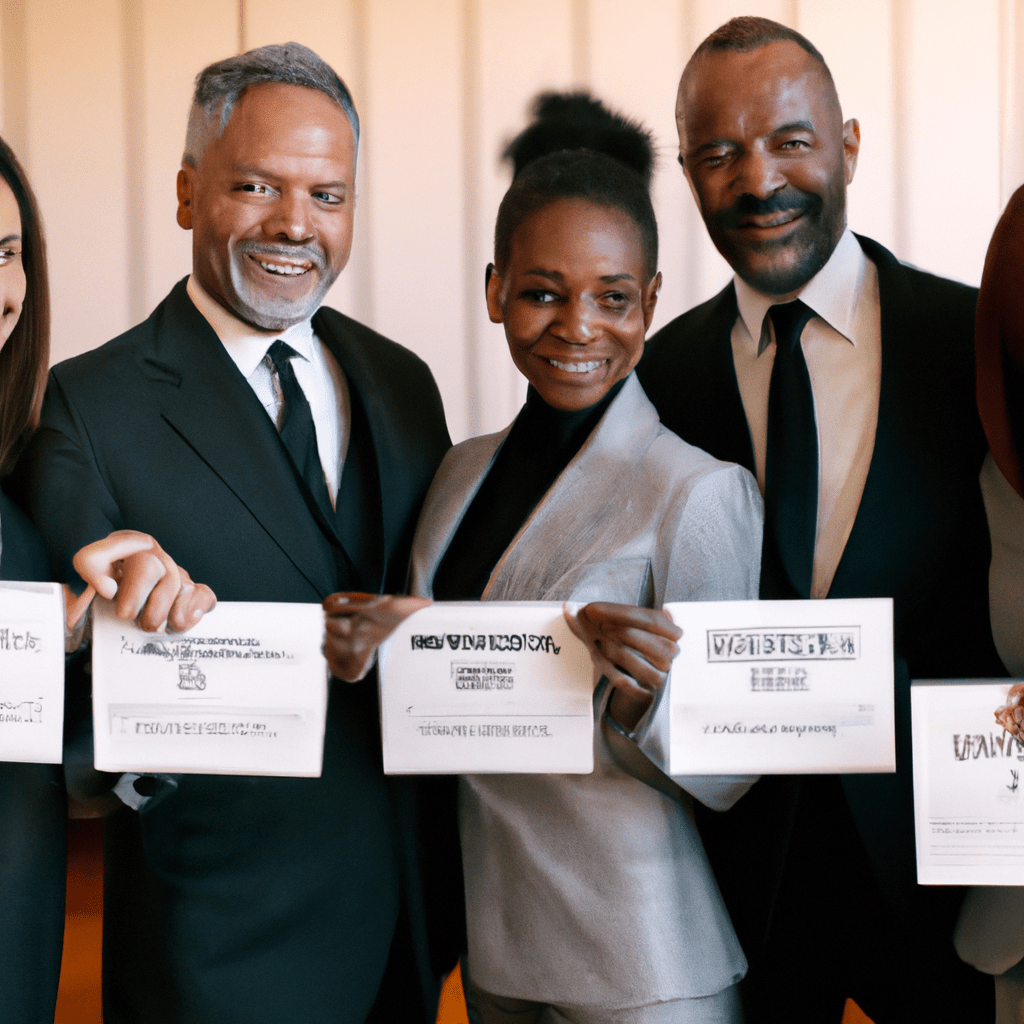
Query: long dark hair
pixel 26 354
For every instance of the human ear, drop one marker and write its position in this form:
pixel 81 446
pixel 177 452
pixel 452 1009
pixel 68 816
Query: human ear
pixel 185 196
pixel 493 291
pixel 851 146
pixel 649 300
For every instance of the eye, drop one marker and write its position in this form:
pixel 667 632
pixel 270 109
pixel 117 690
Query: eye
pixel 615 300
pixel 256 188
pixel 328 198
pixel 8 256
pixel 792 145
pixel 539 296
pixel 712 158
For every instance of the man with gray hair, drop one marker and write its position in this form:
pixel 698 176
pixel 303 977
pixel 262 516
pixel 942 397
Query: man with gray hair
pixel 279 451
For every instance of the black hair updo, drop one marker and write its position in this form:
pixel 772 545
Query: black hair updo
pixel 576 148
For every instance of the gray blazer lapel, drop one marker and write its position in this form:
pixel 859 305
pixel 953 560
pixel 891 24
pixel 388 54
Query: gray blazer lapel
pixel 202 395
pixel 457 481
pixel 568 519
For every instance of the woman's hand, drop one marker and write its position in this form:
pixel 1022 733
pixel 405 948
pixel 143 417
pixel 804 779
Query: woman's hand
pixel 357 624
pixel 131 568
pixel 633 647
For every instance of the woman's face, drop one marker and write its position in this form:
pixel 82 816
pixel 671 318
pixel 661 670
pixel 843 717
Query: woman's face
pixel 574 300
pixel 12 272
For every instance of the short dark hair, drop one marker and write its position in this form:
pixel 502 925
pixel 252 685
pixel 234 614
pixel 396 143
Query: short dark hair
pixel 576 148
pixel 747 33
pixel 219 87
pixel 26 354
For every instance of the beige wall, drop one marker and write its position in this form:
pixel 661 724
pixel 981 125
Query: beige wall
pixel 94 95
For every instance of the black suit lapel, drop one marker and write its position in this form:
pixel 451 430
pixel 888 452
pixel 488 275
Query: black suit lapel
pixel 688 373
pixel 724 402
pixel 202 395
pixel 877 536
pixel 374 423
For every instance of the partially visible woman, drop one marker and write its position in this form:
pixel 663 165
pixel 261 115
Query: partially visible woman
pixel 990 932
pixel 33 805
pixel 128 566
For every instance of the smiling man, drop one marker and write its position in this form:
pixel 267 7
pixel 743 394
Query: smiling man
pixel 280 451
pixel 844 380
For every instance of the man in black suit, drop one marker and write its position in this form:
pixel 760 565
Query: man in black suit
pixel 878 496
pixel 232 899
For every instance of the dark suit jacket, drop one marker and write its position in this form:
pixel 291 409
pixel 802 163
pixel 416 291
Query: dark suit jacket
pixel 919 535
pixel 33 812
pixel 244 899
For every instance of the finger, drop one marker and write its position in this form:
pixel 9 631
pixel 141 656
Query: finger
pixel 635 666
pixel 75 607
pixel 340 626
pixel 95 562
pixel 575 626
pixel 385 610
pixel 658 651
pixel 355 625
pixel 149 583
pixel 347 661
pixel 602 616
pixel 348 601
pixel 602 648
pixel 192 602
pixel 348 657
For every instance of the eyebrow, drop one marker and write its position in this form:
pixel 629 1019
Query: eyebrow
pixel 783 129
pixel 10 238
pixel 710 144
pixel 793 126
pixel 554 275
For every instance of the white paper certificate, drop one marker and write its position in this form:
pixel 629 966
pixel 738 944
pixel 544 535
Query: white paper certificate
pixel 780 687
pixel 486 686
pixel 968 794
pixel 31 672
pixel 242 693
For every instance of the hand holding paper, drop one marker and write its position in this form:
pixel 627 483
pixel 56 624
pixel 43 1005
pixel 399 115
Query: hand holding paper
pixel 633 647
pixel 357 624
pixel 148 585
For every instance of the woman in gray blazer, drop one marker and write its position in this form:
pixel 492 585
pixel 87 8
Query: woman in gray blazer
pixel 589 897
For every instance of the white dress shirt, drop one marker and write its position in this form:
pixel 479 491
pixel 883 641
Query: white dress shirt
pixel 316 370
pixel 842 345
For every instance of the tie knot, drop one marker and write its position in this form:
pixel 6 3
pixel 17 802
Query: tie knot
pixel 789 320
pixel 281 354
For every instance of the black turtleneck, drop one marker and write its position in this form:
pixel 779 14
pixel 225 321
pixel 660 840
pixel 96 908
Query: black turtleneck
pixel 542 442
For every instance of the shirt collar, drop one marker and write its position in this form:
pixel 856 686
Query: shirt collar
pixel 243 343
pixel 832 293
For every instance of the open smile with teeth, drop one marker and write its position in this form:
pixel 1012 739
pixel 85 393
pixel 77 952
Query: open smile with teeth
pixel 577 367
pixel 285 269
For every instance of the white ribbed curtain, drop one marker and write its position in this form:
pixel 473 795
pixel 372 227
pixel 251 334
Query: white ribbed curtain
pixel 94 97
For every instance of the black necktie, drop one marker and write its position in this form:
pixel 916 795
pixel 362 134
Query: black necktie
pixel 298 432
pixel 791 462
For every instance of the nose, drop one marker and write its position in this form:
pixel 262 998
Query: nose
pixel 758 174
pixel 578 323
pixel 290 219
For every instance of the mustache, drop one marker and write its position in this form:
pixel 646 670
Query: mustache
pixel 789 200
pixel 313 253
